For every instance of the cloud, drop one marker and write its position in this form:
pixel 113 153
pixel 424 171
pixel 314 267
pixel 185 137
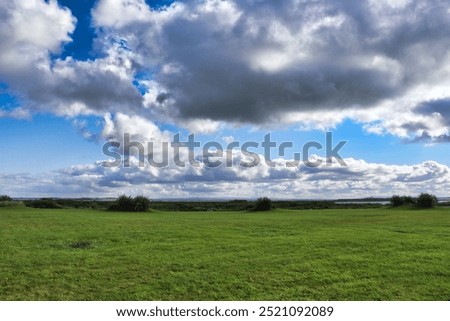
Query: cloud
pixel 17 113
pixel 359 179
pixel 264 62
pixel 205 64
pixel 31 32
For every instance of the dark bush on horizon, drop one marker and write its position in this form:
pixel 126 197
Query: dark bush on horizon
pixel 426 200
pixel 5 198
pixel 123 203
pixel 398 200
pixel 129 204
pixel 141 204
pixel 43 203
pixel 263 204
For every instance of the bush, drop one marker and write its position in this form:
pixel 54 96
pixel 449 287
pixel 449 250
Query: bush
pixel 141 204
pixel 123 203
pixel 397 200
pixel 129 204
pixel 426 200
pixel 263 204
pixel 43 203
pixel 409 200
pixel 5 198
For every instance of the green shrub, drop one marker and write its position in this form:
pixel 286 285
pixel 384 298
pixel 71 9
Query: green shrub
pixel 396 201
pixel 123 203
pixel 43 203
pixel 129 204
pixel 5 198
pixel 141 204
pixel 426 200
pixel 263 204
pixel 409 200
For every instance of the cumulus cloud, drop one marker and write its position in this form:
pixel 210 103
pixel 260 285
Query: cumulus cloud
pixel 269 62
pixel 359 178
pixel 204 64
pixel 31 32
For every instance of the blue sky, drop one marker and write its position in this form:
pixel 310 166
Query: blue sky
pixel 81 73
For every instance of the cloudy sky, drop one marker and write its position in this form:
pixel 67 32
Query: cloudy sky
pixel 75 74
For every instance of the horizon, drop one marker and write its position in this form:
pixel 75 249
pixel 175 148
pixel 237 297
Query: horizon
pixel 199 199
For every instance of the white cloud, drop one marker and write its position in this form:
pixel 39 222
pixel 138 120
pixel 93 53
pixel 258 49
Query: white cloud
pixel 119 13
pixel 30 30
pixel 359 179
pixel 17 113
pixel 228 139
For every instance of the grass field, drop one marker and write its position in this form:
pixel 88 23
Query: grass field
pixel 374 254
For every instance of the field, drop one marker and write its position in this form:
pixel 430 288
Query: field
pixel 359 254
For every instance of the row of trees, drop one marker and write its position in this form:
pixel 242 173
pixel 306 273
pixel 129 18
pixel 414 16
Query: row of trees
pixel 142 204
pixel 424 200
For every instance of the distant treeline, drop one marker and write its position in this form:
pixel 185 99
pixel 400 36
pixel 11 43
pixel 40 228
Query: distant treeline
pixel 138 204
pixel 242 205
pixel 192 206
pixel 56 203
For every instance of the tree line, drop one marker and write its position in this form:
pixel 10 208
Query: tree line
pixel 141 203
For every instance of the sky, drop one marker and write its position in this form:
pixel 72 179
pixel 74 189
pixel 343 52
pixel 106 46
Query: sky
pixel 75 75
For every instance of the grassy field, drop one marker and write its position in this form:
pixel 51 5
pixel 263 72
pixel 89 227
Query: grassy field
pixel 374 254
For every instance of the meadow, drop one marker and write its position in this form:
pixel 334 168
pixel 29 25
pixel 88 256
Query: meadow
pixel 330 254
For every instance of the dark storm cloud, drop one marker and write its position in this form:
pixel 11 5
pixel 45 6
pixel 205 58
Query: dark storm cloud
pixel 439 106
pixel 254 97
pixel 253 61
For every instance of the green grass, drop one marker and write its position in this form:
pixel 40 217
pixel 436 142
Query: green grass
pixel 374 254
